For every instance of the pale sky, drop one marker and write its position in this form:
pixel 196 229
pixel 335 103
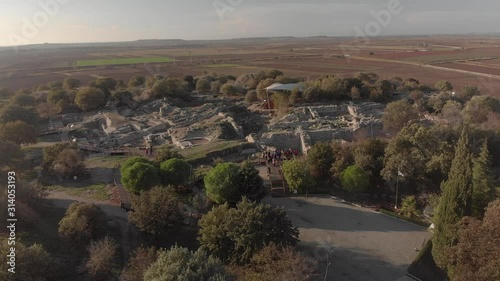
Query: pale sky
pixel 69 21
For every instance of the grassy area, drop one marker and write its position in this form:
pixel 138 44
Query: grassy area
pixel 119 61
pixel 201 151
pixel 108 162
pixel 220 65
pixel 415 221
pixel 96 191
pixel 429 58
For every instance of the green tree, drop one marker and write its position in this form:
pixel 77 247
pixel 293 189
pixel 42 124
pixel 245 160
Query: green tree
pixel 56 96
pixel 6 93
pixel 68 163
pixel 50 153
pixel 164 153
pixel 203 85
pixel 444 86
pixel 136 81
pixel 274 73
pixel 251 97
pixel 228 90
pixel 140 176
pixel 476 254
pixel 409 207
pixel 22 99
pixel 369 155
pixel 355 179
pixel 12 113
pixel 33 263
pixel 215 87
pixel 179 264
pixel 71 83
pixel 479 108
pixel 398 114
pixel 483 189
pixel 140 260
pixel 250 184
pixel 100 264
pixel 455 202
pixel 235 234
pixel 452 113
pixel 104 84
pixel 222 185
pixel 277 263
pixel 176 172
pixel 320 159
pixel 298 177
pixel 467 93
pixel 132 160
pixel 170 88
pixel 88 98
pixel 18 132
pixel 156 211
pixel 123 97
pixel 12 156
pixel 343 158
pixel 81 223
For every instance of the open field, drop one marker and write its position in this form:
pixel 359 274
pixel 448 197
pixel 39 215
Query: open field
pixel 120 61
pixel 300 57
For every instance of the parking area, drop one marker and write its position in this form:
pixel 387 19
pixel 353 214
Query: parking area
pixel 361 245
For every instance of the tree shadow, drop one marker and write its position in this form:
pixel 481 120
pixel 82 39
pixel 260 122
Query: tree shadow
pixel 348 264
pixel 330 214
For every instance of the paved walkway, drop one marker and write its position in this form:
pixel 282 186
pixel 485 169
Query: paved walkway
pixel 364 245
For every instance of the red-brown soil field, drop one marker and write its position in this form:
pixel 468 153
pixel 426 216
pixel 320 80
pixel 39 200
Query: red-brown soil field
pixel 302 57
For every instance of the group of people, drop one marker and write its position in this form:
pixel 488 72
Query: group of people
pixel 149 151
pixel 276 157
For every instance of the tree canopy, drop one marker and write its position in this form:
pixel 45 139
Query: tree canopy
pixel 354 179
pixel 235 234
pixel 140 176
pixel 19 132
pixel 456 202
pixel 156 211
pixel 320 159
pixel 179 264
pixel 297 175
pixel 222 184
pixel 81 223
pixel 88 98
pixel 175 172
pixel 398 114
pixel 476 255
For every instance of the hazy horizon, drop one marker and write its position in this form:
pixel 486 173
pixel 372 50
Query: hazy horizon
pixel 90 21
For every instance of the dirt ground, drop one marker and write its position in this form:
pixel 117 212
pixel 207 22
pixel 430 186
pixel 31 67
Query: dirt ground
pixel 365 245
pixel 300 57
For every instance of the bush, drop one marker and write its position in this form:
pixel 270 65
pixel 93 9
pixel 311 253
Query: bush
pixel 33 263
pixel 140 260
pixel 155 211
pixel 140 176
pixel 354 179
pixel 88 99
pixel 235 234
pixel 297 175
pixel 179 264
pixel 175 172
pixel 101 258
pixel 409 207
pixel 81 223
pixel 221 183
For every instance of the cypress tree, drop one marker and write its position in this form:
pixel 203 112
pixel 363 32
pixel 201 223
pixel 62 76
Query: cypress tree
pixel 456 202
pixel 483 190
